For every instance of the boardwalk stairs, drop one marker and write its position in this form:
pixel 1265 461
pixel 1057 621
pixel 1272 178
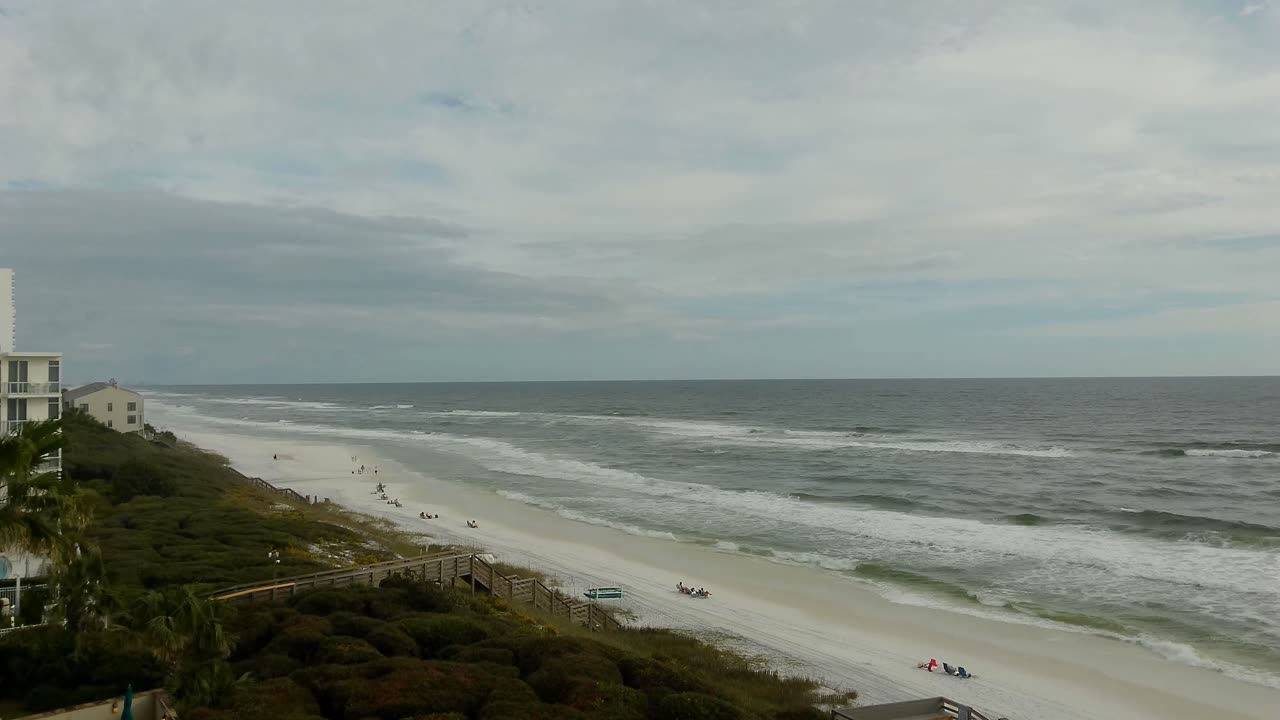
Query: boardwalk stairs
pixel 449 569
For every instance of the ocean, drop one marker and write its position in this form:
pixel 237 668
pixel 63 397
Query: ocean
pixel 1143 509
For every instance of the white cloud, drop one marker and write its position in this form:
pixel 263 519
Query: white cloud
pixel 1071 152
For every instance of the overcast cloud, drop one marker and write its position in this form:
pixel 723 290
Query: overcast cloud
pixel 300 191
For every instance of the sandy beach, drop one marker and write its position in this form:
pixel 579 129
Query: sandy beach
pixel 806 623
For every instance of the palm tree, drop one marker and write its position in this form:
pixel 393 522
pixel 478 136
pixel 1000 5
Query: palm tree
pixel 179 625
pixel 36 507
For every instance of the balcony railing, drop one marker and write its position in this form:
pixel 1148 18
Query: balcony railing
pixel 31 388
pixel 11 427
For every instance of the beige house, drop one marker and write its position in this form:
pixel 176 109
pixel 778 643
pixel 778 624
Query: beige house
pixel 116 407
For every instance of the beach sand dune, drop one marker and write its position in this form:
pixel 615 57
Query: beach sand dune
pixel 810 623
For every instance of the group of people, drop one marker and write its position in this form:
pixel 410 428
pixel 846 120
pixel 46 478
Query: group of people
pixel 361 471
pixel 688 590
pixel 381 491
pixel 957 671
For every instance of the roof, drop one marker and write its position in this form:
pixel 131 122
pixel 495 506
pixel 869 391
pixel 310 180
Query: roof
pixel 92 388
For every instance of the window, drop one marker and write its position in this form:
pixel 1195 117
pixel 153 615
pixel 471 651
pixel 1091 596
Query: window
pixel 17 409
pixel 110 424
pixel 55 409
pixel 110 407
pixel 55 371
pixel 133 407
pixel 84 407
pixel 132 420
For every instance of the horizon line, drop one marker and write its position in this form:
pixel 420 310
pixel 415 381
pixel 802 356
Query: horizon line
pixel 709 380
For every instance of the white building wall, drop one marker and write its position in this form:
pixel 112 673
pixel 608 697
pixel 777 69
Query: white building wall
pixel 38 396
pixel 111 407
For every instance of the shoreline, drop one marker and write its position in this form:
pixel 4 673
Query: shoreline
pixel 825 627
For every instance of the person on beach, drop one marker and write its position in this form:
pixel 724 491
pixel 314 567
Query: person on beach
pixel 274 456
pixel 422 515
pixel 929 666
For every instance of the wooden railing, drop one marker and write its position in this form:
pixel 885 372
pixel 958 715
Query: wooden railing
pixel 935 707
pixel 289 493
pixel 444 568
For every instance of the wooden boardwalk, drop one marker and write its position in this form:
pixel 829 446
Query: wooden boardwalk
pixel 445 568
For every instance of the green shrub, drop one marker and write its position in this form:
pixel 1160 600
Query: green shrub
pixel 808 712
pixel 559 678
pixel 346 623
pixel 434 633
pixel 423 596
pixel 346 650
pixel 270 665
pixel 137 477
pixel 495 655
pixel 275 698
pixel 512 690
pixel 696 706
pixel 327 601
pixel 34 601
pixel 303 638
pixel 392 641
pixel 418 688
pixel 608 700
pixel 645 673
pixel 528 711
pixel 329 685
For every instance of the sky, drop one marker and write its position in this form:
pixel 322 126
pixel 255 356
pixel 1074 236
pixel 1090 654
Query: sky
pixel 238 192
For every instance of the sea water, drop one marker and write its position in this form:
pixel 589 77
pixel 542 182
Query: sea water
pixel 1143 509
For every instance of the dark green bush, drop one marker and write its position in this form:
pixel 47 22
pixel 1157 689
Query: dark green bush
pixel 422 596
pixel 346 650
pixel 696 706
pixel 645 673
pixel 512 690
pixel 805 713
pixel 393 642
pixel 303 638
pixel 270 665
pixel 138 477
pixel 497 656
pixel 34 601
pixel 434 633
pixel 528 711
pixel 275 698
pixel 559 678
pixel 418 688
pixel 326 601
pixel 609 700
pixel 346 623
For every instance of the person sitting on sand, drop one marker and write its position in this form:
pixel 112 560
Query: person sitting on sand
pixel 422 515
pixel 929 666
pixel 962 673
pixel 948 669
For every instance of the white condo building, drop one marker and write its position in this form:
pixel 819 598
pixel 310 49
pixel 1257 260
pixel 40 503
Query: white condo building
pixel 30 389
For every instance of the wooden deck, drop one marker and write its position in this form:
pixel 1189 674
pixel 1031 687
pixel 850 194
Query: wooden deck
pixel 447 569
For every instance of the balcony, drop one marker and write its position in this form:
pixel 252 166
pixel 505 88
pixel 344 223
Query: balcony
pixel 31 388
pixel 11 427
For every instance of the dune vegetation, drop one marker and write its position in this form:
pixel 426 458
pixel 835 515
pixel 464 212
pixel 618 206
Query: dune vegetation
pixel 161 523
